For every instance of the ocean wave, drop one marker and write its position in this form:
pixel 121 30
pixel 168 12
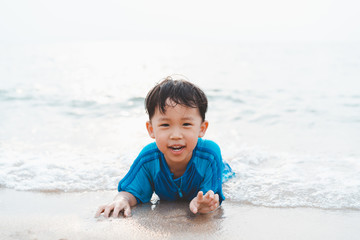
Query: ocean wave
pixel 78 106
pixel 289 181
pixel 61 177
pixel 262 178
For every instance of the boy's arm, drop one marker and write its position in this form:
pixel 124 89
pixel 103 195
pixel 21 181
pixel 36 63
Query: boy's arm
pixel 204 204
pixel 122 202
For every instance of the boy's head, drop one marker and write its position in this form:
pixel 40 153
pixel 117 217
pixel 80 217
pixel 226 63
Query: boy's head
pixel 179 92
pixel 176 111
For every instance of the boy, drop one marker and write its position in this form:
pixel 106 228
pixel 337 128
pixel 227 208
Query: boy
pixel 179 165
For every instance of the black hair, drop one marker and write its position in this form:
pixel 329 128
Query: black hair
pixel 179 92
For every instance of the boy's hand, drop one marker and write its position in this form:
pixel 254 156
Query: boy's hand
pixel 122 202
pixel 204 204
pixel 116 206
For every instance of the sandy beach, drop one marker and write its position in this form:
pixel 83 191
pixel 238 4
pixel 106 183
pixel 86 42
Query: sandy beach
pixel 31 215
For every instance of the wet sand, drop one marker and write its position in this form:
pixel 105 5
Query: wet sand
pixel 29 215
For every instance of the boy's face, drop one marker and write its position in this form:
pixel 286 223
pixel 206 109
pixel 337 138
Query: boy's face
pixel 176 132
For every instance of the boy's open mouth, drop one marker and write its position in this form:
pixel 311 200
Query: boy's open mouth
pixel 177 148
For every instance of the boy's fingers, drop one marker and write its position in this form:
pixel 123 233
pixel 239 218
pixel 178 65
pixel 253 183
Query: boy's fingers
pixel 194 205
pixel 127 211
pixel 210 194
pixel 108 210
pixel 217 198
pixel 100 211
pixel 116 211
pixel 215 202
pixel 194 209
pixel 200 196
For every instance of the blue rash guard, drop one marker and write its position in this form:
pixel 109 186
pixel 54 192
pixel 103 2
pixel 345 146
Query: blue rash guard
pixel 150 173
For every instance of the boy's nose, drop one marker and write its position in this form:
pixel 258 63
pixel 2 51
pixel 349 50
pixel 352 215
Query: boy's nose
pixel 176 134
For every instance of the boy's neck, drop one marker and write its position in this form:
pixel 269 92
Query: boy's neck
pixel 178 169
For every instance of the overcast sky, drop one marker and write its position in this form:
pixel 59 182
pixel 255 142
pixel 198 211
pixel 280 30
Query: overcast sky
pixel 223 21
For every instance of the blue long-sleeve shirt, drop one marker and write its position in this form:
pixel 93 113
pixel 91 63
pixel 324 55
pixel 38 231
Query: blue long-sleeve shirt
pixel 150 173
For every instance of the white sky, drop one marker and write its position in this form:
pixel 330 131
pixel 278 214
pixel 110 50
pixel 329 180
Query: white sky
pixel 250 20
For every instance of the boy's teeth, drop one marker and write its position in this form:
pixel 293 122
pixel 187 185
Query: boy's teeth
pixel 176 148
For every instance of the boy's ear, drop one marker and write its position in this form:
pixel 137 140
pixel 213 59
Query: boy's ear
pixel 203 128
pixel 150 129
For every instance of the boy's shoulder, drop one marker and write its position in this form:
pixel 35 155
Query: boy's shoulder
pixel 148 153
pixel 205 144
pixel 207 158
pixel 150 149
pixel 208 147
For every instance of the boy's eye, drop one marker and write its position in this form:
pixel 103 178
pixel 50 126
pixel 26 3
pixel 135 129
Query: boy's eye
pixel 164 125
pixel 187 124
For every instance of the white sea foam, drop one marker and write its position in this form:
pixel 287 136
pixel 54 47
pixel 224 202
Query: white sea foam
pixel 262 178
pixel 295 181
pixel 66 169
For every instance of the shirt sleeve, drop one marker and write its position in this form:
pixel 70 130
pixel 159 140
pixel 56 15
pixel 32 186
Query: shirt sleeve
pixel 212 181
pixel 213 172
pixel 137 182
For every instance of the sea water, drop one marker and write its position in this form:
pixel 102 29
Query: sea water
pixel 286 116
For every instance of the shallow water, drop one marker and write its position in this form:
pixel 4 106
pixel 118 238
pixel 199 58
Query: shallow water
pixel 286 116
